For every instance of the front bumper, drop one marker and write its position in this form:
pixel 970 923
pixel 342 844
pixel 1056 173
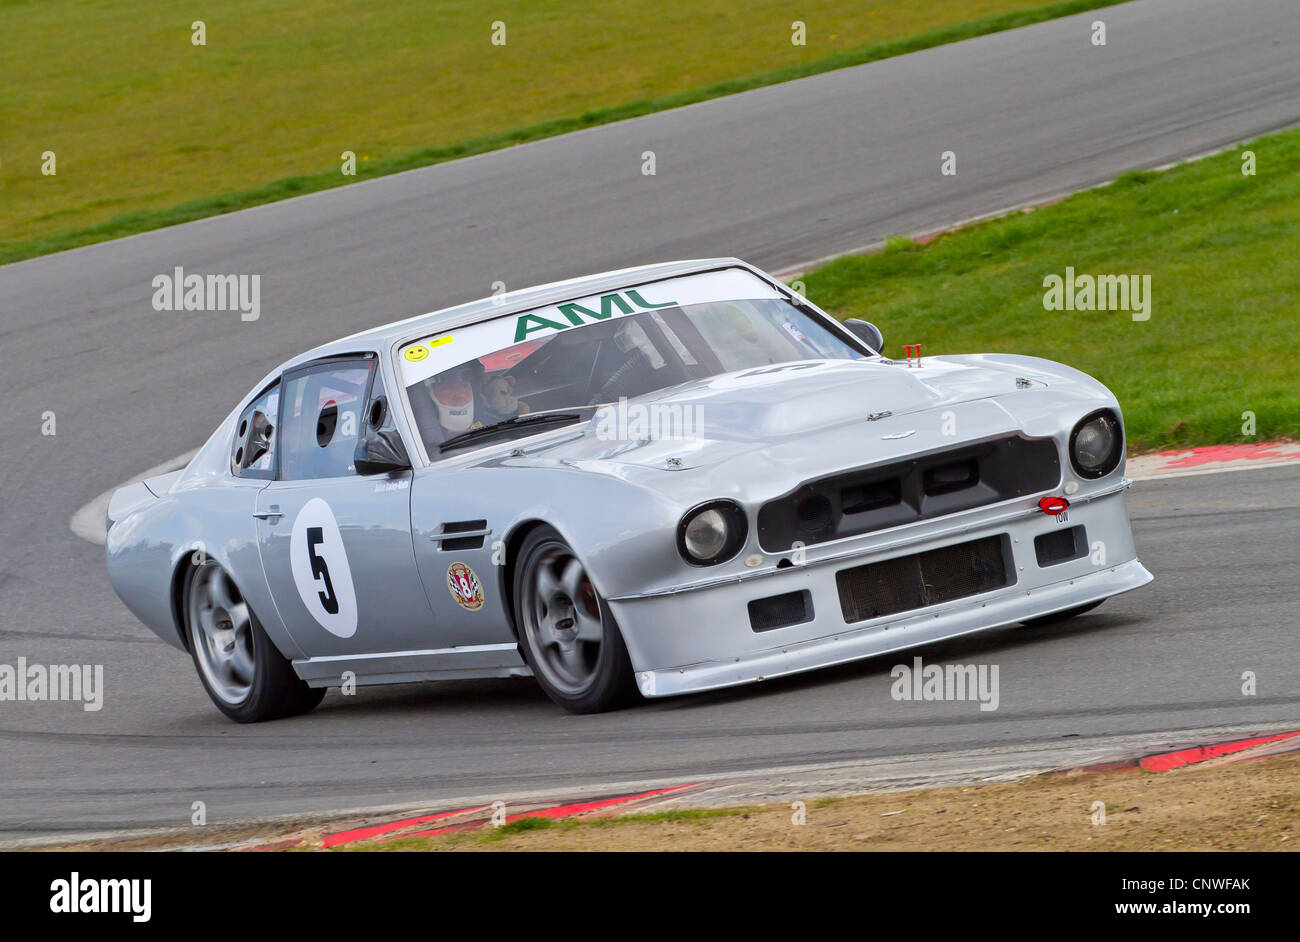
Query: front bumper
pixel 701 638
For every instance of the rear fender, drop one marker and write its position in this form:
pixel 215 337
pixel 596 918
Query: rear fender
pixel 126 501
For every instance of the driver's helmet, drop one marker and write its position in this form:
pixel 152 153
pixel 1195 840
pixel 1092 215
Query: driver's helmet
pixel 454 395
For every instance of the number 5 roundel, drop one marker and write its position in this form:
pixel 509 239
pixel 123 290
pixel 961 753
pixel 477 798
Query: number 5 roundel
pixel 321 571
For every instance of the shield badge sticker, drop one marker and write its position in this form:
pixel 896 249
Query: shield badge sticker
pixel 464 587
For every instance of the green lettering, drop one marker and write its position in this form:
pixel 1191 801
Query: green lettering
pixel 540 323
pixel 574 313
pixel 642 302
pixel 571 312
pixel 607 305
pixel 609 300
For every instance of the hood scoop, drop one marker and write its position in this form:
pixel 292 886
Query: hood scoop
pixel 793 398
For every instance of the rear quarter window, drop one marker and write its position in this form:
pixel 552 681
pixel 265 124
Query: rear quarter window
pixel 252 455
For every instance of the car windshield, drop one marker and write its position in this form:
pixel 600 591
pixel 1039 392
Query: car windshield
pixel 570 357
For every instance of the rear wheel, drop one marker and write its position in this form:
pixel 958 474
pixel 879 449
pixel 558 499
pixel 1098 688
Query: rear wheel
pixel 567 632
pixel 1055 617
pixel 243 673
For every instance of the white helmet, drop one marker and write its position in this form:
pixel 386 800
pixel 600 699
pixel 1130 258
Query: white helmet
pixel 454 397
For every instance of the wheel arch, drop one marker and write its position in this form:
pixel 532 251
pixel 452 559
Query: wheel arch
pixel 180 579
pixel 514 541
pixel 187 561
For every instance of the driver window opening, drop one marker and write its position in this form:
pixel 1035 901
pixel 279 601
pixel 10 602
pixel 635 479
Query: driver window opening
pixel 323 421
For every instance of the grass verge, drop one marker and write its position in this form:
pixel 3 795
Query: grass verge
pixel 480 837
pixel 1220 247
pixel 141 120
pixel 1246 806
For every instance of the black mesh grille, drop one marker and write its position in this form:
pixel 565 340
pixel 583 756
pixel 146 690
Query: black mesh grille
pixel 779 611
pixel 929 578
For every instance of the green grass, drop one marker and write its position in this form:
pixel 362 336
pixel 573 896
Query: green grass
pixel 149 130
pixel 490 835
pixel 658 817
pixel 1223 253
pixel 518 826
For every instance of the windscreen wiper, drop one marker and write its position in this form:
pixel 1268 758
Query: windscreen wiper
pixel 532 418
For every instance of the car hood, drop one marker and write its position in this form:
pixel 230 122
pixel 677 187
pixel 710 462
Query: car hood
pixel 759 433
pixel 793 404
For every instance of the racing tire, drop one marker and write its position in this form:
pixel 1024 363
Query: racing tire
pixel 567 633
pixel 1055 617
pixel 243 673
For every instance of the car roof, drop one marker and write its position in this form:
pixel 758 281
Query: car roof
pixel 381 339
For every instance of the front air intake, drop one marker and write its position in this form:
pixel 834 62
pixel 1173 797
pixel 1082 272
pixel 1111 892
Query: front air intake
pixel 780 611
pixel 1061 546
pixel 922 579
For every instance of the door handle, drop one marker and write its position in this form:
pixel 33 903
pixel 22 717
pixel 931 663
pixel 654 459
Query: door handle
pixel 268 515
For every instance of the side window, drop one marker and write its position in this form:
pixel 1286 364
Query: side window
pixel 253 453
pixel 323 420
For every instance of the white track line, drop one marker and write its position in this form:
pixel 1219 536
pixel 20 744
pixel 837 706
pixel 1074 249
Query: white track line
pixel 88 522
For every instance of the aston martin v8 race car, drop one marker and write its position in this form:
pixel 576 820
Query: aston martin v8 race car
pixel 652 481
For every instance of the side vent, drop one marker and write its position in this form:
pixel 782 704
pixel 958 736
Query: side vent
pixel 462 535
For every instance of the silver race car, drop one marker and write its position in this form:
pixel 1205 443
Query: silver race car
pixel 658 480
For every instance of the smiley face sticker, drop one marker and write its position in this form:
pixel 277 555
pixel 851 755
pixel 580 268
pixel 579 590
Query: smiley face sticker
pixel 420 351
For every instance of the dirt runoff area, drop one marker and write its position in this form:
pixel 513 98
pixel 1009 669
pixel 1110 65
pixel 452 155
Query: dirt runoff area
pixel 1248 805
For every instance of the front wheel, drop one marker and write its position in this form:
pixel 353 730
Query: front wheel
pixel 566 630
pixel 243 673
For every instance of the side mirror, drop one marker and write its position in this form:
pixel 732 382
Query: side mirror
pixel 867 332
pixel 380 450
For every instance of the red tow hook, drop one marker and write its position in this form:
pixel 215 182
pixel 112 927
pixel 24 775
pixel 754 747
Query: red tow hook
pixel 1053 505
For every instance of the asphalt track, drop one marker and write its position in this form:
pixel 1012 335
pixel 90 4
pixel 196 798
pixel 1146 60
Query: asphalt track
pixel 778 176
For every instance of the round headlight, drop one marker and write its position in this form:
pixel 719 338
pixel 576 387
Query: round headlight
pixel 711 533
pixel 706 535
pixel 1096 444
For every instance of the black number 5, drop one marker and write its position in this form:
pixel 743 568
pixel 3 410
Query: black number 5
pixel 315 537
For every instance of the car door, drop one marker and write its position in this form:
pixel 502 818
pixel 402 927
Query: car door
pixel 335 545
pixel 457 531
